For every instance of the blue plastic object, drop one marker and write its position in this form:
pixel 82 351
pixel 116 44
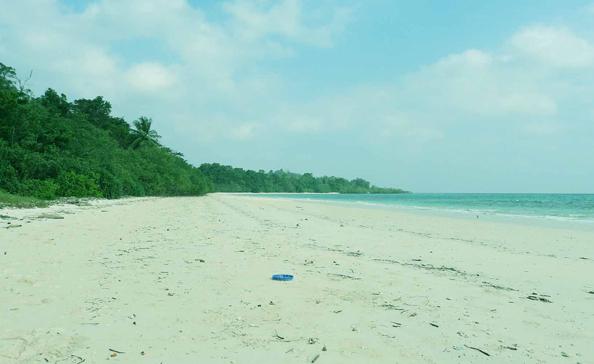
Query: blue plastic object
pixel 282 277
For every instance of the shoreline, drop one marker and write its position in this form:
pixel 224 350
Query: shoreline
pixel 538 220
pixel 187 279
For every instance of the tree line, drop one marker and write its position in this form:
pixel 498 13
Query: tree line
pixel 229 179
pixel 51 147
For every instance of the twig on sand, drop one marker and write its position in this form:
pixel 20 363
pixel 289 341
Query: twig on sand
pixel 477 349
pixel 509 347
pixel 115 351
pixel 343 276
pixel 537 298
pixel 80 360
pixel 284 339
pixel 315 358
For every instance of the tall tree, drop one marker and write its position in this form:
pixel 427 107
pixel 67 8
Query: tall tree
pixel 143 134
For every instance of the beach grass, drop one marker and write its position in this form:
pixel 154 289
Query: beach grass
pixel 10 200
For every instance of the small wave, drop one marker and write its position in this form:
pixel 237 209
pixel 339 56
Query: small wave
pixel 549 206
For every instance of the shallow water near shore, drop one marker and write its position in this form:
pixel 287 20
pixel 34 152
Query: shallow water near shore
pixel 560 206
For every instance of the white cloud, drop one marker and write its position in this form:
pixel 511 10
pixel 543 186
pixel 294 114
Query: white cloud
pixel 208 77
pixel 244 131
pixel 553 46
pixel 286 18
pixel 150 77
pixel 525 90
pixel 481 84
pixel 215 85
pixel 471 58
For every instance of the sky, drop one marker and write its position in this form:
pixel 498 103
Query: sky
pixel 430 96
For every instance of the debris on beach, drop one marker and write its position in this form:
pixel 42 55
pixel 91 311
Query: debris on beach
pixel 536 297
pixel 282 277
pixel 496 286
pixel 389 306
pixel 47 215
pixel 79 360
pixel 477 349
pixel 312 340
pixel 343 276
pixel 114 352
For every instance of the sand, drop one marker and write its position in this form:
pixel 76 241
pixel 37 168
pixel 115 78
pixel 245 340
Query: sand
pixel 187 280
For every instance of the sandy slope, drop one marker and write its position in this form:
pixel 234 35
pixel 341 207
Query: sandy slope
pixel 187 280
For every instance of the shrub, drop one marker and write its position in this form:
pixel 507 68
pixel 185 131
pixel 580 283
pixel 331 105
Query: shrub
pixel 72 184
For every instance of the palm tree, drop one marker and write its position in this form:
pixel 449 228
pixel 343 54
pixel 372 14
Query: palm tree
pixel 143 134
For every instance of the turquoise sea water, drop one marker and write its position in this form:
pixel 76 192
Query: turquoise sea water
pixel 565 206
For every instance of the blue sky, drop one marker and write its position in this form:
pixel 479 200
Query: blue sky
pixel 457 96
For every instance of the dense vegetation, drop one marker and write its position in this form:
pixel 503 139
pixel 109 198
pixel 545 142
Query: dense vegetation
pixel 7 199
pixel 229 179
pixel 50 147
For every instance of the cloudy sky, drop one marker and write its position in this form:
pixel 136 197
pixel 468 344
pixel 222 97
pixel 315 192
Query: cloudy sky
pixel 439 96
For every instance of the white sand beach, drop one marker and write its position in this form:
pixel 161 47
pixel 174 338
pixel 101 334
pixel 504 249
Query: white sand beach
pixel 187 280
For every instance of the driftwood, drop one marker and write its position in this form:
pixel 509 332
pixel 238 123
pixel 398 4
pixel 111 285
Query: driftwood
pixel 537 298
pixel 80 360
pixel 477 349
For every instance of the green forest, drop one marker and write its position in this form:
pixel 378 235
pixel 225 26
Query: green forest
pixel 229 179
pixel 51 147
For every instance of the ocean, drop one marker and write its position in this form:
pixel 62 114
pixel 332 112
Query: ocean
pixel 560 206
